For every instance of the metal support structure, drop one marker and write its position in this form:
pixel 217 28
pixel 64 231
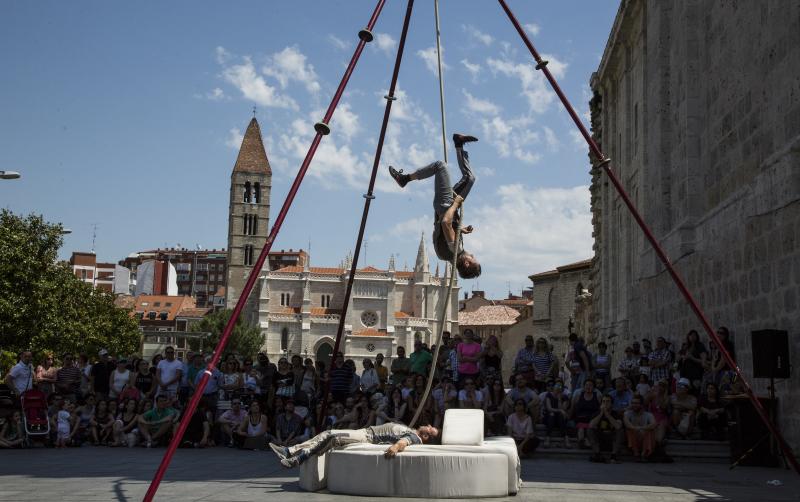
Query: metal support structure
pixel 251 280
pixel 368 198
pixel 604 164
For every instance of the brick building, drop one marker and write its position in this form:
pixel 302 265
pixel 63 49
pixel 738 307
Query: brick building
pixel 698 106
pixel 109 277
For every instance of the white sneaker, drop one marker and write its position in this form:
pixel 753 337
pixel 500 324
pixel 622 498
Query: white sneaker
pixel 281 451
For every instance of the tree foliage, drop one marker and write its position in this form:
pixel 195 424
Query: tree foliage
pixel 43 306
pixel 246 340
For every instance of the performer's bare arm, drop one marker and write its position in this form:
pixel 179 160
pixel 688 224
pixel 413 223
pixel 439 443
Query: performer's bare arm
pixel 396 448
pixel 447 218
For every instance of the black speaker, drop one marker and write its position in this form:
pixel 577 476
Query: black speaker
pixel 770 353
pixel 749 435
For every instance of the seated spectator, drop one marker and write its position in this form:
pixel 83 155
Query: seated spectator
pixel 288 426
pixel 468 354
pixel 252 432
pixel 355 380
pixel 524 362
pixel 12 435
pixel 445 396
pixel 520 427
pixel 415 401
pixel 629 366
pixel 602 365
pixel 621 397
pixel 640 428
pixel 586 407
pixel 157 424
pixel 231 381
pixel 125 430
pixel 469 396
pixel 493 406
pixel 643 387
pixel 231 420
pixel 407 387
pixel 658 404
pixel 684 408
pixel 605 432
pixel 556 413
pixel 600 387
pixel 396 407
pixel 521 391
pixel 369 378
pixel 66 424
pixel 102 424
pixel 198 430
pixel 711 415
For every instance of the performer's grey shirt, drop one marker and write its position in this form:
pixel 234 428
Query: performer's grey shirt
pixel 391 433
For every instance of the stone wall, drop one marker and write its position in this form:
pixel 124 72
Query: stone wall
pixel 698 105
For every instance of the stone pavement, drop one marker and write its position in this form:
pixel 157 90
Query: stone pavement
pixel 222 474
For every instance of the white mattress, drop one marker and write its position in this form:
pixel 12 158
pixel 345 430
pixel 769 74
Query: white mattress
pixel 420 471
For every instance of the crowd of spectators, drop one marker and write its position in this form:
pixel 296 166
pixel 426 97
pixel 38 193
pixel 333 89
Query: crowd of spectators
pixel 653 394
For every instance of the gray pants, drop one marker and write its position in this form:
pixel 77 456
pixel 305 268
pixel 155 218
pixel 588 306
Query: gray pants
pixel 323 442
pixel 443 190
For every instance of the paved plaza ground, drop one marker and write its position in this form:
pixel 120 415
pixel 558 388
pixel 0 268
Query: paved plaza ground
pixel 222 474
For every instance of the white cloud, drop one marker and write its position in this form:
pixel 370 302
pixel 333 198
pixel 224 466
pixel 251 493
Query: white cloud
pixel 234 139
pixel 477 35
pixel 532 28
pixel 337 42
pixel 526 230
pixel 578 140
pixel 253 86
pixel 384 42
pixel 413 227
pixel 474 69
pixel 345 123
pixel 533 84
pixel 290 64
pixel 215 94
pixel 480 106
pixel 221 55
pixel 428 56
pixel 550 138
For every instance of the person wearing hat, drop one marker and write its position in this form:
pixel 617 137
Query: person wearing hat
pixel 684 408
pixel 100 376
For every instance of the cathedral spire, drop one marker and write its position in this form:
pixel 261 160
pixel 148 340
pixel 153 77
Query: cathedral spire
pixel 391 263
pixel 421 265
pixel 252 156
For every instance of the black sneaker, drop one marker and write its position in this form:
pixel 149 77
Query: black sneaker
pixel 460 139
pixel 399 177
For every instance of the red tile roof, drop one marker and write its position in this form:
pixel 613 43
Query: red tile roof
pixel 147 303
pixel 194 312
pixel 400 314
pixel 324 311
pixel 370 332
pixel 488 315
pixel 404 275
pixel 295 269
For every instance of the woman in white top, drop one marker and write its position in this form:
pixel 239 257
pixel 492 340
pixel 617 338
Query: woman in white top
pixel 254 425
pixel 119 379
pixel 369 377
pixel 231 379
pixel 520 427
pixel 310 379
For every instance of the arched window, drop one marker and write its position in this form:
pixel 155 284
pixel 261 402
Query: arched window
pixel 284 339
pixel 257 193
pixel 254 224
pixel 245 226
pixel 246 197
pixel 248 254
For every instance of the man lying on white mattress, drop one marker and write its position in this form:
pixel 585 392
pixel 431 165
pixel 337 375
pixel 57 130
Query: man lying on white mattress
pixel 397 435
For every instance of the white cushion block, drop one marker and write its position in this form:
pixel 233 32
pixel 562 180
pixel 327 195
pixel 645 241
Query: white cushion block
pixel 312 474
pixel 462 427
pixel 419 471
pixel 507 446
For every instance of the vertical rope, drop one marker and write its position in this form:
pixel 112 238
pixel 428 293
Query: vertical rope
pixel 441 80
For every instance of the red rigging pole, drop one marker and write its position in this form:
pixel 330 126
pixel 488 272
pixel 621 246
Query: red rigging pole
pixel 367 201
pixel 605 162
pixel 322 128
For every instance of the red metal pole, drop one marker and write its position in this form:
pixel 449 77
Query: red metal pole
pixel 367 201
pixel 604 162
pixel 251 280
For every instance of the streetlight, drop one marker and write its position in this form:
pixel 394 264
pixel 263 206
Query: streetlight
pixel 9 175
pixel 66 231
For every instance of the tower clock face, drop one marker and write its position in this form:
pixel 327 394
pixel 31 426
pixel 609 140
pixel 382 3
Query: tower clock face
pixel 369 318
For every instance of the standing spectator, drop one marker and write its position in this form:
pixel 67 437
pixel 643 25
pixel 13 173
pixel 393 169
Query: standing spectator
pixel 660 361
pixel 68 379
pixel 469 353
pixel 232 381
pixel 86 374
pixel 194 367
pixel 492 358
pixel 621 397
pixel 544 364
pixel 401 366
pixel 118 379
pixel 452 358
pixel 658 403
pixel 581 356
pixel 693 360
pixel 168 375
pixel 470 396
pixel 157 358
pixel 602 364
pixel 284 379
pixel 231 420
pixel 12 434
pixel 723 368
pixel 20 377
pixel 585 407
pixel 523 362
pixel 298 370
pixel 310 381
pixel 629 366
pixel 341 378
pixel 684 408
pixel 382 371
pixel 46 374
pixel 143 380
pixel 640 428
pixel 266 372
pixel 287 426
pixel 420 359
pixel 369 378
pixel 355 380
pixel 520 428
pixel 157 424
pixel 185 386
pixel 556 413
pixel 605 428
pixel 711 415
pixel 100 376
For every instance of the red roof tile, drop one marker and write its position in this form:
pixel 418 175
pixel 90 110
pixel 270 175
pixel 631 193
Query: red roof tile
pixel 488 315
pixel 370 332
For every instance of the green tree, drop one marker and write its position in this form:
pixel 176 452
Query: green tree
pixel 246 340
pixel 43 306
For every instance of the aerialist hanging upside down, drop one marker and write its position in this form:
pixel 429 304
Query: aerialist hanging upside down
pixel 446 202
pixel 399 436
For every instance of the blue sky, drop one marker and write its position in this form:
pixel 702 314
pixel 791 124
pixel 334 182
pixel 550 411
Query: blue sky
pixel 128 116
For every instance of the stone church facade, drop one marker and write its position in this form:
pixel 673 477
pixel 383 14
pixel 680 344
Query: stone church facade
pixel 698 106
